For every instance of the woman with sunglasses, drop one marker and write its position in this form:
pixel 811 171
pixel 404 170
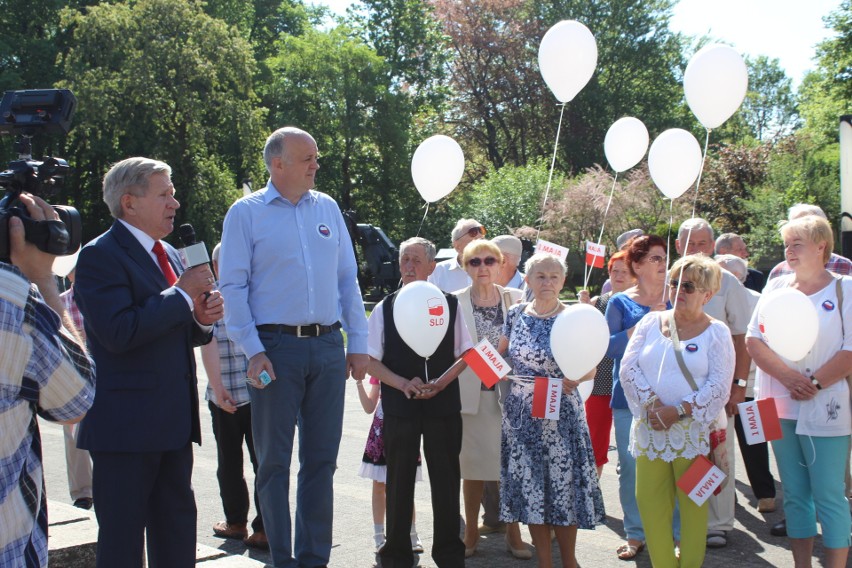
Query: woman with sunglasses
pixel 547 471
pixel 676 373
pixel 811 396
pixel 483 306
pixel 646 261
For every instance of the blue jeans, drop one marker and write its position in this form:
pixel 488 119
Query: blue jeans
pixel 623 418
pixel 308 390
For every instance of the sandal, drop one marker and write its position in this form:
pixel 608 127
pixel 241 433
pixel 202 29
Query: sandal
pixel 629 551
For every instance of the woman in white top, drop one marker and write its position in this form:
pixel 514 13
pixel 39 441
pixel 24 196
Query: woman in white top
pixel 812 397
pixel 671 420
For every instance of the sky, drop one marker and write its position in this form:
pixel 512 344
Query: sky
pixel 784 29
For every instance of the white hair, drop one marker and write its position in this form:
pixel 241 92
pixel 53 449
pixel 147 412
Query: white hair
pixel 733 264
pixel 802 209
pixel 130 176
pixel 693 225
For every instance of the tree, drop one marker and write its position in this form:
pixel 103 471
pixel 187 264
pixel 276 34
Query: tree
pixel 576 213
pixel 510 197
pixel 770 107
pixel 730 174
pixel 505 110
pixel 162 79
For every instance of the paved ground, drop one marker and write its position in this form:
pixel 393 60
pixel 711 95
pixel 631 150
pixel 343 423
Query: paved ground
pixel 750 544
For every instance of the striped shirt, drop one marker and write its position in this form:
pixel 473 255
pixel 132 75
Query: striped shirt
pixel 233 367
pixel 72 310
pixel 42 370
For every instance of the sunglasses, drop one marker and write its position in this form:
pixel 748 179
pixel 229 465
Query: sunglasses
pixel 655 259
pixel 476 261
pixel 475 232
pixel 685 287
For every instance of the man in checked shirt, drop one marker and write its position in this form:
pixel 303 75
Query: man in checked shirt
pixel 44 370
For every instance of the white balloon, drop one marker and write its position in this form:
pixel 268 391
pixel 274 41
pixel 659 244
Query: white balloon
pixel 789 323
pixel 626 143
pixel 715 83
pixel 585 389
pixel 578 340
pixel 567 57
pixel 674 161
pixel 437 167
pixel 422 317
pixel 63 265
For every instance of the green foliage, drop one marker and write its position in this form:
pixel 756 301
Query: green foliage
pixel 162 79
pixel 510 197
pixel 504 109
pixel 764 209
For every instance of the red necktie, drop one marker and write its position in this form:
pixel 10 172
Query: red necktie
pixel 163 261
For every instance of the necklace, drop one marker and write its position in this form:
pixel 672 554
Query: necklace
pixel 487 301
pixel 547 314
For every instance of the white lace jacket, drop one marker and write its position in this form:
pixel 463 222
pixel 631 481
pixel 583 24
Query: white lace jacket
pixel 649 367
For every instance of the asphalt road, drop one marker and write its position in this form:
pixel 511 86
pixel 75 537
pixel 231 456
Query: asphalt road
pixel 749 545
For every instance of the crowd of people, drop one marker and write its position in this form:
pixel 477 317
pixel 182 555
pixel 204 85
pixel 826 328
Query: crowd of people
pixel 686 346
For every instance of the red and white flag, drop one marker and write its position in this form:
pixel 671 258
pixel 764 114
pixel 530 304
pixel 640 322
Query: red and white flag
pixel 595 254
pixel 760 421
pixel 547 395
pixel 484 360
pixel 701 480
pixel 552 248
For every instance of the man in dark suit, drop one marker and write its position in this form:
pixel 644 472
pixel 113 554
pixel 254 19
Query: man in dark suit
pixel 142 321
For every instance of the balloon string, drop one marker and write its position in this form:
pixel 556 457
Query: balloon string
pixel 552 166
pixel 588 274
pixel 426 360
pixel 423 219
pixel 698 181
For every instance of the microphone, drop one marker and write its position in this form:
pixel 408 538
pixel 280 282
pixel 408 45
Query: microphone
pixel 194 253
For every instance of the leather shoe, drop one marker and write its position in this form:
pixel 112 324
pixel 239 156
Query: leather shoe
pixel 779 528
pixel 224 529
pixel 84 503
pixel 257 540
pixel 491 529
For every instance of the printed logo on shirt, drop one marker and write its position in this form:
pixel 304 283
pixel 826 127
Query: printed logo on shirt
pixel 691 347
pixel 828 306
pixel 324 230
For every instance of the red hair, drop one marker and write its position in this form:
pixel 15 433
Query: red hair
pixel 638 248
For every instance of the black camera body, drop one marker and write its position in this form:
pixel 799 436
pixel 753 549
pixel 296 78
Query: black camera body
pixel 25 113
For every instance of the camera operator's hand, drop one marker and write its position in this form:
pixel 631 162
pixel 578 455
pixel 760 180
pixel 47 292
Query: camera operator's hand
pixel 36 264
pixel 196 281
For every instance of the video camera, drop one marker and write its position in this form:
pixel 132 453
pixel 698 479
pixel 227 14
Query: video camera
pixel 25 113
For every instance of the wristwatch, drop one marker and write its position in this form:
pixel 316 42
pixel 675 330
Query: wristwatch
pixel 741 383
pixel 815 383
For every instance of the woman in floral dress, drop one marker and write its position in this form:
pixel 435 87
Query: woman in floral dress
pixel 547 475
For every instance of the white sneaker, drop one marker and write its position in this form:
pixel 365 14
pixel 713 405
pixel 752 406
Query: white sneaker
pixel 416 545
pixel 379 540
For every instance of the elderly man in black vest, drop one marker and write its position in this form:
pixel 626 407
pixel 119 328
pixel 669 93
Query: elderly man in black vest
pixel 413 408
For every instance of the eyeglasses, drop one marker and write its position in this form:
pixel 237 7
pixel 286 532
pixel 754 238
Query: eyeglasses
pixel 476 261
pixel 474 232
pixel 654 259
pixel 685 287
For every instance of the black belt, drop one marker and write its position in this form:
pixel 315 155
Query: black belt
pixel 310 330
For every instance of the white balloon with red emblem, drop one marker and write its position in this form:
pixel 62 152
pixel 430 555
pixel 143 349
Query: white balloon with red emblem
pixel 422 317
pixel 579 340
pixel 788 322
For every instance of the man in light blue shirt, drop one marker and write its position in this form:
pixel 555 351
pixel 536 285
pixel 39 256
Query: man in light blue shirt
pixel 289 274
